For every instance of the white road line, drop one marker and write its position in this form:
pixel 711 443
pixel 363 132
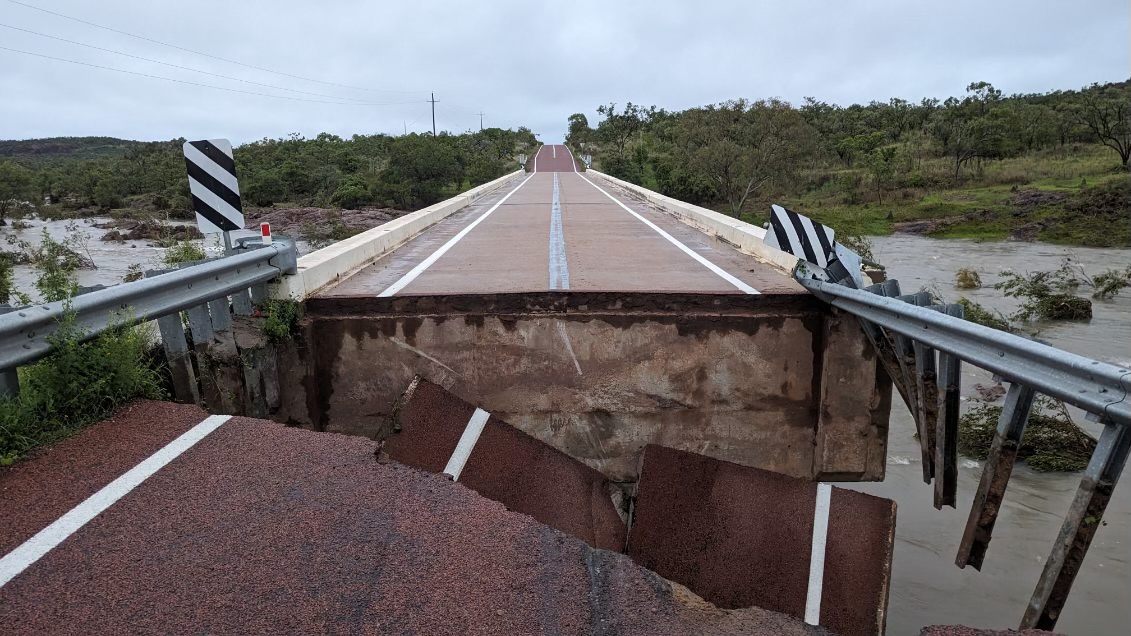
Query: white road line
pixel 46 539
pixel 571 158
pixel 536 158
pixel 554 149
pixel 559 267
pixel 466 443
pixel 426 263
pixel 817 556
pixel 686 250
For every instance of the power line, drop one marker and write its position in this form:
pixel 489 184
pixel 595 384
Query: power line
pixel 177 66
pixel 208 55
pixel 219 88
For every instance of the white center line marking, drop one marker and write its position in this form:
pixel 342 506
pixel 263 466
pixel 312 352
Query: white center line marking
pixel 466 443
pixel 554 149
pixel 559 267
pixel 435 256
pixel 46 539
pixel 817 556
pixel 674 241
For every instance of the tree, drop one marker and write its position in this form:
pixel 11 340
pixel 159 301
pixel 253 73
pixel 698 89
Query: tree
pixel 740 147
pixel 15 187
pixel 964 138
pixel 579 131
pixel 1107 115
pixel 881 163
pixel 618 128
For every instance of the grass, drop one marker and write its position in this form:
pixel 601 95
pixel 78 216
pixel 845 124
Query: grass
pixel 845 200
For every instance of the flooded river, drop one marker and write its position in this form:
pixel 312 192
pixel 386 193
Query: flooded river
pixel 927 587
pixel 113 258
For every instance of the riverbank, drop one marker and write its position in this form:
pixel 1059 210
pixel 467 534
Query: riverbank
pixel 1080 200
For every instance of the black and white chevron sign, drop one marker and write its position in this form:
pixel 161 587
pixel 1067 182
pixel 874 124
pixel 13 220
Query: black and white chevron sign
pixel 212 183
pixel 801 236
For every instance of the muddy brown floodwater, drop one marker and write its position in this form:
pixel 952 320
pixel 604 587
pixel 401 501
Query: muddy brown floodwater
pixel 927 587
pixel 113 258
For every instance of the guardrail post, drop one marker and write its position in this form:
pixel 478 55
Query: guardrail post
pixel 267 358
pixel 222 358
pixel 995 476
pixel 180 362
pixel 926 388
pixel 200 325
pixel 1084 517
pixel 946 431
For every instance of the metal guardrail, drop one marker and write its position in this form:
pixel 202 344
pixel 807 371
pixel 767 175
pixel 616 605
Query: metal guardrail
pixel 1094 386
pixel 25 332
pixel 907 330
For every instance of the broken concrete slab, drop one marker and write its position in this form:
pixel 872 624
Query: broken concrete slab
pixel 506 465
pixel 741 537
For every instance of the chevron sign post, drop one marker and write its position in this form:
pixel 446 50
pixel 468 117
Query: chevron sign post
pixel 212 183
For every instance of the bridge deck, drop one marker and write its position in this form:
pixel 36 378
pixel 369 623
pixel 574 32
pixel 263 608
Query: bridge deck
pixel 558 229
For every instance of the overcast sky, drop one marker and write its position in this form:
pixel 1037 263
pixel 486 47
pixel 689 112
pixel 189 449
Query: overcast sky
pixel 520 63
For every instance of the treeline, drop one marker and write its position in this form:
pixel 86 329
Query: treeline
pixel 406 172
pixel 737 152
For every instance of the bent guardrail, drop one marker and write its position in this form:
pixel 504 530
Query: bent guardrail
pixel 25 332
pixel 920 344
pixel 1094 386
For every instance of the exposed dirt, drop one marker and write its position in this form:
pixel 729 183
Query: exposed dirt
pixel 290 221
pixel 1025 200
pixel 930 226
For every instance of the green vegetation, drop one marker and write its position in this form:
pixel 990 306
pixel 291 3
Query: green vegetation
pixel 976 313
pixel 1038 166
pixel 280 319
pixel 1049 295
pixel 80 382
pixel 81 176
pixel 1052 441
pixel 184 252
pixel 1110 283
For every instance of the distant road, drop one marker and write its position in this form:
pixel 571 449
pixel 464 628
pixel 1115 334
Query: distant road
pixel 560 229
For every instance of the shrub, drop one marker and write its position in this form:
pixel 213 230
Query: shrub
pixel 967 278
pixel 1052 441
pixel 184 252
pixel 1049 295
pixel 78 384
pixel 1107 285
pixel 976 313
pixel 280 319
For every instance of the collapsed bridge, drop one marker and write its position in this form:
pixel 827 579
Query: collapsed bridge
pixel 602 325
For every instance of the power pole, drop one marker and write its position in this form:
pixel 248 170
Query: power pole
pixel 433 100
pixel 480 122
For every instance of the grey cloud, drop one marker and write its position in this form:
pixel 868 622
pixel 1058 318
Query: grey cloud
pixel 526 63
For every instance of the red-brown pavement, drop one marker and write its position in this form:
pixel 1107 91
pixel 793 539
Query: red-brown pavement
pixel 606 247
pixel 506 465
pixel 741 536
pixel 261 528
